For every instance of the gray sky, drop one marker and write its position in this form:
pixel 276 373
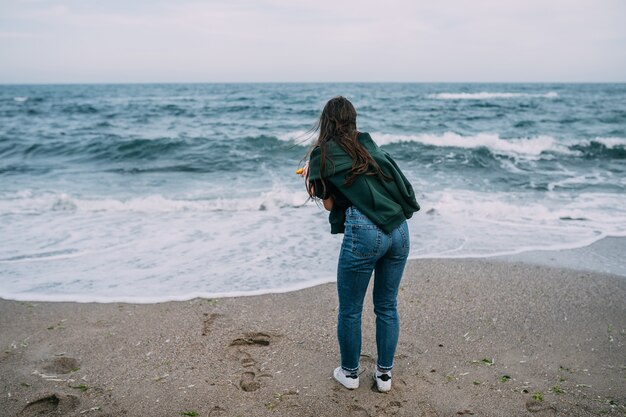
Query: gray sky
pixel 316 40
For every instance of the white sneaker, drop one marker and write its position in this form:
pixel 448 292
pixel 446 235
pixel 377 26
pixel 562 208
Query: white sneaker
pixel 347 381
pixel 383 380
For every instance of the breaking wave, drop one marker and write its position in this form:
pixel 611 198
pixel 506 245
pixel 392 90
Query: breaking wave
pixel 487 95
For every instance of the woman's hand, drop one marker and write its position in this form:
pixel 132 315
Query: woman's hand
pixel 328 203
pixel 304 171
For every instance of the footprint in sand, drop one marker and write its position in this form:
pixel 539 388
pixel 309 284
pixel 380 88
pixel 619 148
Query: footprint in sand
pixel 392 408
pixel 206 323
pixel 62 365
pixel 245 359
pixel 258 339
pixel 250 378
pixel 357 411
pixel 426 409
pixel 248 382
pixel 217 411
pixel 50 404
pixel 540 408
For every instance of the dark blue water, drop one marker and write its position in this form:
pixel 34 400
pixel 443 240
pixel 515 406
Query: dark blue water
pixel 168 191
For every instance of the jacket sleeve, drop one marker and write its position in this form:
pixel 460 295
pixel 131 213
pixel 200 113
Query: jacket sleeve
pixel 315 178
pixel 406 189
pixel 314 165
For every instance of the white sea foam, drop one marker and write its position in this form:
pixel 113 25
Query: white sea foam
pixel 135 299
pixel 590 179
pixel 462 223
pixel 490 95
pixel 137 250
pixel 611 142
pixel 148 256
pixel 24 202
pixel 531 147
pixel 20 99
pixel 303 137
pixel 528 147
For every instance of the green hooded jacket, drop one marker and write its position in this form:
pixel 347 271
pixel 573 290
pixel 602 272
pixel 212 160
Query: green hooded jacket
pixel 387 203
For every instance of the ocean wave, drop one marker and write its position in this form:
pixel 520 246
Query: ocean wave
pixel 529 148
pixel 25 202
pixel 484 95
pixel 611 143
pixel 174 110
pixel 189 167
pixel 585 181
pixel 109 147
pixel 134 149
pixel 601 148
pixel 81 109
pixel 21 169
pixel 187 154
pixel 299 137
pixel 205 155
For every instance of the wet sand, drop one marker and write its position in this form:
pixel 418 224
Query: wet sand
pixel 483 338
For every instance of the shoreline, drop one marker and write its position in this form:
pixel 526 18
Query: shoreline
pixel 478 336
pixel 604 255
pixel 601 256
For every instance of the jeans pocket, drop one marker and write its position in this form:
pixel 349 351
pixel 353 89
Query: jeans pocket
pixel 404 235
pixel 400 239
pixel 366 240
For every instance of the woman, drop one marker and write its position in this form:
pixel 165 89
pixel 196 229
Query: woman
pixel 369 200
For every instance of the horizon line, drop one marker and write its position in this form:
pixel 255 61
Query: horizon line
pixel 299 82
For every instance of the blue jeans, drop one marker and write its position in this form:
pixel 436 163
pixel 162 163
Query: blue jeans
pixel 366 249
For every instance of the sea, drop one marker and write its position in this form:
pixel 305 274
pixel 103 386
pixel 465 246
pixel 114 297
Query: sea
pixel 156 192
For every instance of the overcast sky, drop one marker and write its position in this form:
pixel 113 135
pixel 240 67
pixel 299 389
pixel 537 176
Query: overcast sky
pixel 317 40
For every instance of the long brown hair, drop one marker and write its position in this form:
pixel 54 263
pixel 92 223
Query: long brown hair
pixel 338 122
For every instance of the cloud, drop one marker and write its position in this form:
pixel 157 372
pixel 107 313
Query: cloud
pixel 280 40
pixel 17 35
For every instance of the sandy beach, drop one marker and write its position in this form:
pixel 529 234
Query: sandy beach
pixel 483 338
